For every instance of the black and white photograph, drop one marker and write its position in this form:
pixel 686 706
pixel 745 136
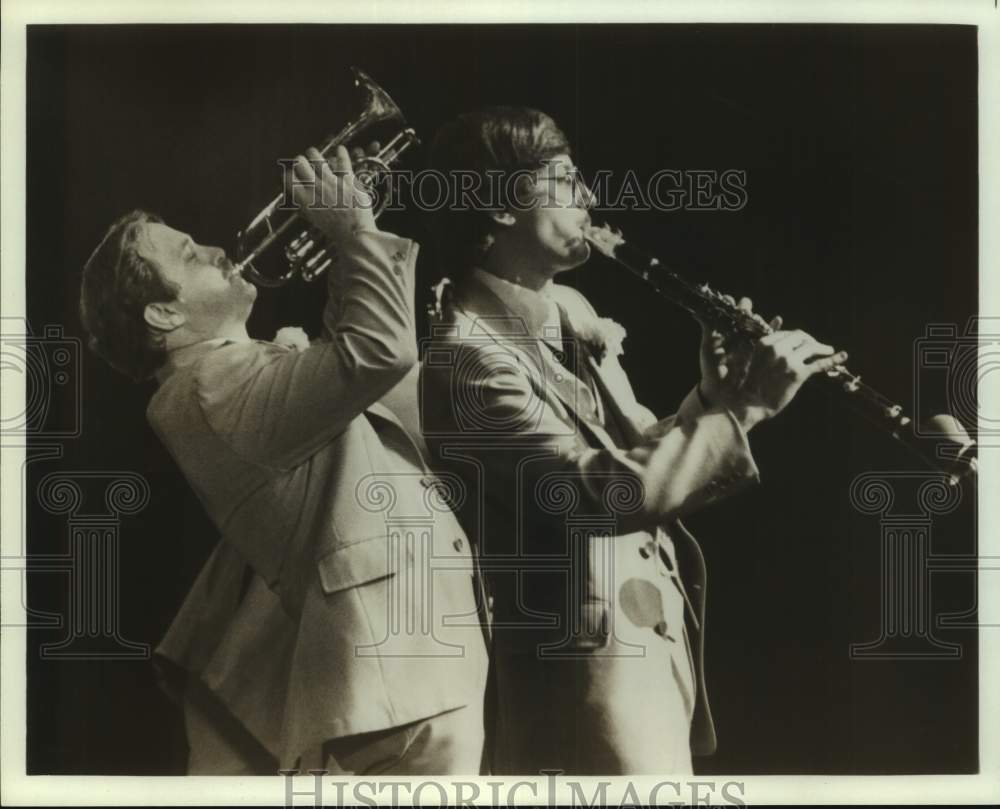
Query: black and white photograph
pixel 489 405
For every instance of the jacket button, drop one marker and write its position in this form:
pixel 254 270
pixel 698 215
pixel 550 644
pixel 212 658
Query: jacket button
pixel 458 544
pixel 661 630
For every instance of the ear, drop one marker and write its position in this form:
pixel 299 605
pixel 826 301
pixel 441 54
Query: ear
pixel 163 316
pixel 505 218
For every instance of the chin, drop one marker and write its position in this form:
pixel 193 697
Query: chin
pixel 247 308
pixel 576 254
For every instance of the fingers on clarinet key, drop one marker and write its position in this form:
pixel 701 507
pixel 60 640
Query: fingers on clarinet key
pixel 828 363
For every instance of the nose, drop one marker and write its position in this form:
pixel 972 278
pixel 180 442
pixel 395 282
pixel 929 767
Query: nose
pixel 216 255
pixel 583 196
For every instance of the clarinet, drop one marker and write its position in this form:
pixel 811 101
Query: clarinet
pixel 942 444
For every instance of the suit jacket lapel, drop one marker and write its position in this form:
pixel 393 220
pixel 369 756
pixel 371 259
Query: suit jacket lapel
pixel 493 319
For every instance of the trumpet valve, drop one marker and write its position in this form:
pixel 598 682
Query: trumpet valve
pixel 299 246
pixel 316 264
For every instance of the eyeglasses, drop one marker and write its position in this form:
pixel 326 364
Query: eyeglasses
pixel 561 177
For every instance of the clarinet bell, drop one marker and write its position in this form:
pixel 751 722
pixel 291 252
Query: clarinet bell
pixel 951 446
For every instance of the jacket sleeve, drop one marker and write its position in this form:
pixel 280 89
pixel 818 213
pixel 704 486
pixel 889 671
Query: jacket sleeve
pixel 275 406
pixel 487 413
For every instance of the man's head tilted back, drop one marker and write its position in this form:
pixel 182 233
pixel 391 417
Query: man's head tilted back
pixel 148 289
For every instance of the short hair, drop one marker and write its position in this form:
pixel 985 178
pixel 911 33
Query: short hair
pixel 117 285
pixel 500 140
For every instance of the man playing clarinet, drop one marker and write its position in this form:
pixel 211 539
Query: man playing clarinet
pixel 577 490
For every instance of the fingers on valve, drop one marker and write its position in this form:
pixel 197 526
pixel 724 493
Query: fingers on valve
pixel 342 160
pixel 303 169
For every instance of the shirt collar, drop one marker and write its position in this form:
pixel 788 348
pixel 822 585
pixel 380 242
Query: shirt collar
pixel 537 310
pixel 186 355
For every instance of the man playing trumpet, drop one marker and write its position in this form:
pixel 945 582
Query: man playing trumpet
pixel 310 639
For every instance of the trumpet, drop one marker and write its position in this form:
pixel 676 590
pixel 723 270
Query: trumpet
pixel 305 253
pixel 942 442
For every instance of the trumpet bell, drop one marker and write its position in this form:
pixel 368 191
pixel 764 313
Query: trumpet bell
pixel 305 253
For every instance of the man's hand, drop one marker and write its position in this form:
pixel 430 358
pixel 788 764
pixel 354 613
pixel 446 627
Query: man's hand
pixel 756 381
pixel 724 361
pixel 331 200
pixel 779 364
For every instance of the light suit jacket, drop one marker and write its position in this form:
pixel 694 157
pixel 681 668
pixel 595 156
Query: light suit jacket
pixel 307 463
pixel 579 526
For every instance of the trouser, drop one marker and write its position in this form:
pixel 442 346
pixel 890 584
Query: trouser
pixel 450 743
pixel 591 717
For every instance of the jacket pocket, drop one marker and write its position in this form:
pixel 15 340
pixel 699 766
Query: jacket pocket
pixel 357 563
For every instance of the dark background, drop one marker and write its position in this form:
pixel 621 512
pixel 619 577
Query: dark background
pixel 859 144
